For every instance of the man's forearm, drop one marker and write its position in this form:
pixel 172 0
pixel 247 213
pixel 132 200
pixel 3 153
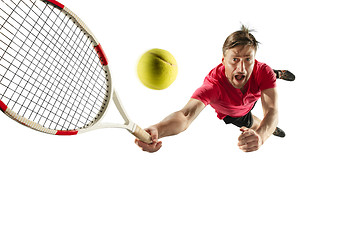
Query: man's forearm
pixel 268 125
pixel 179 121
pixel 174 124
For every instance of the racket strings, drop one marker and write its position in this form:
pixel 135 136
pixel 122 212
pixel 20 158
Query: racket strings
pixel 33 56
pixel 50 72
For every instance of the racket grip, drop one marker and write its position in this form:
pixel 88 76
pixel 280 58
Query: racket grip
pixel 142 135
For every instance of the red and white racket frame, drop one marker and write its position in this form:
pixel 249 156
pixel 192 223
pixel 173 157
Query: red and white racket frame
pixel 128 124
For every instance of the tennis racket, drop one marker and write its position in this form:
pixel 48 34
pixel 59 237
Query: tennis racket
pixel 54 75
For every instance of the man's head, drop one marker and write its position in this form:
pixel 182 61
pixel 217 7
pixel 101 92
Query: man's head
pixel 239 51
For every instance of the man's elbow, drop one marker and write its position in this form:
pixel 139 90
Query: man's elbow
pixel 187 118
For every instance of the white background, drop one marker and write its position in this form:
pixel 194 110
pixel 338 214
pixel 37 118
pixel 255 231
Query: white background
pixel 100 185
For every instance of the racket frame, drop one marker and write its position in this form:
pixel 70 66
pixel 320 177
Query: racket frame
pixel 112 95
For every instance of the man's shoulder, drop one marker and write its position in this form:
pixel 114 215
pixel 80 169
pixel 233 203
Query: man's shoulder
pixel 264 76
pixel 217 72
pixel 262 67
pixel 216 76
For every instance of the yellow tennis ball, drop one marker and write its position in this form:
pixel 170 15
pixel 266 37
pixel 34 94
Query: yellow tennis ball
pixel 157 69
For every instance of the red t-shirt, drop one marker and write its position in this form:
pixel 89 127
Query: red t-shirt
pixel 227 100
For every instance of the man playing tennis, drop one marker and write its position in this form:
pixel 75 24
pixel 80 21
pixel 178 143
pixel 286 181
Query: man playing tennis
pixel 232 89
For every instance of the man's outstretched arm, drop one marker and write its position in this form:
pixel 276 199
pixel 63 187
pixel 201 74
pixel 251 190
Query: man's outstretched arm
pixel 175 123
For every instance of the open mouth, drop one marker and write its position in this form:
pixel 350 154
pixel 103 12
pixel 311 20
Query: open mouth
pixel 239 77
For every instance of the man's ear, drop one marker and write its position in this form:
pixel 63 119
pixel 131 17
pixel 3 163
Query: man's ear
pixel 223 59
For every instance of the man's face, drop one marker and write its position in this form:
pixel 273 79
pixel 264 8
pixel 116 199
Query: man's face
pixel 239 64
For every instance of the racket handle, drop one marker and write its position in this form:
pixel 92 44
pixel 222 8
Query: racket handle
pixel 142 135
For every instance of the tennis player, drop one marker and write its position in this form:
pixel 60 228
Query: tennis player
pixel 232 88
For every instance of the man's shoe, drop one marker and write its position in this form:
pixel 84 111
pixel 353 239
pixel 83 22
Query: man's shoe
pixel 279 133
pixel 284 75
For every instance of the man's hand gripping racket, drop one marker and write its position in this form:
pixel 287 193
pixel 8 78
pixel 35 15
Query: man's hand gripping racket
pixel 54 75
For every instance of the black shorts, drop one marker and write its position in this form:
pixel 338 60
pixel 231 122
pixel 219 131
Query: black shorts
pixel 244 121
